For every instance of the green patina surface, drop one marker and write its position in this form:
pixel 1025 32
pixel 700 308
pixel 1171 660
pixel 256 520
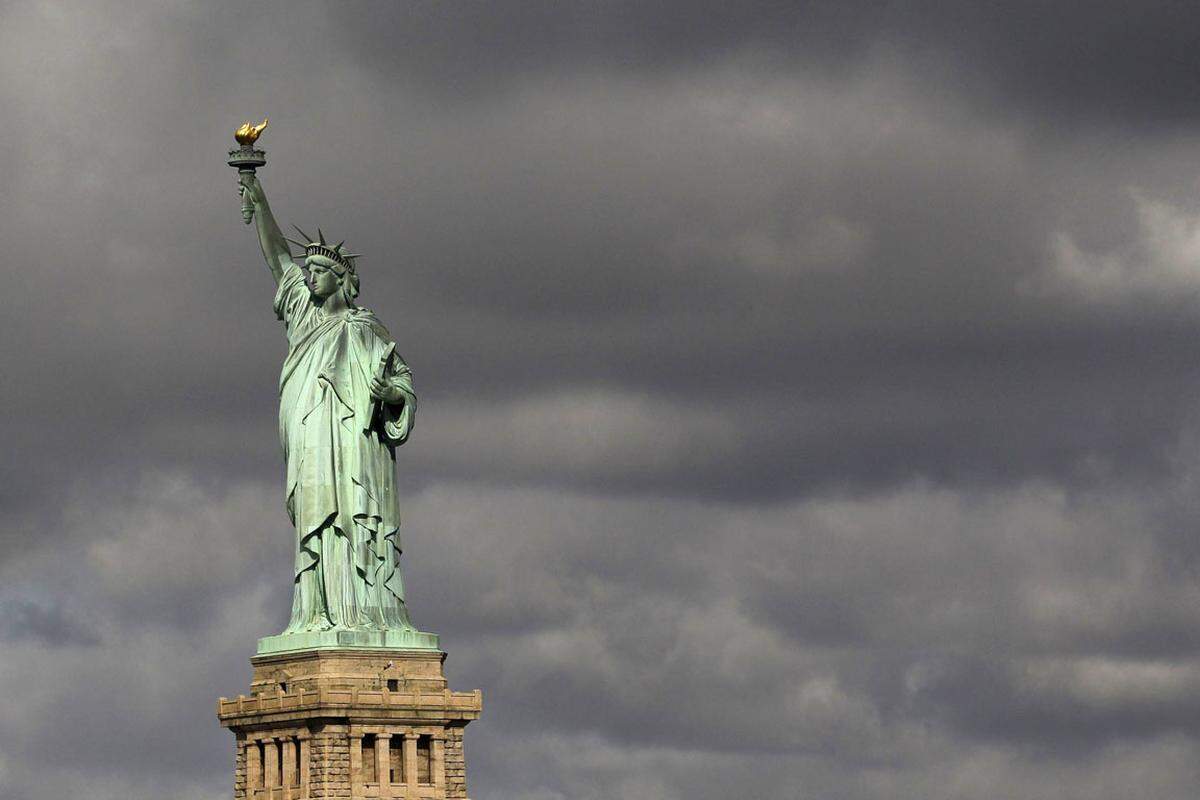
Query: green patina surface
pixel 333 639
pixel 346 402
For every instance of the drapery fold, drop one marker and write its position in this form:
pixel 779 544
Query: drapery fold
pixel 340 485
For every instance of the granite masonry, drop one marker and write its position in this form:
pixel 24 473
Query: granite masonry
pixel 353 724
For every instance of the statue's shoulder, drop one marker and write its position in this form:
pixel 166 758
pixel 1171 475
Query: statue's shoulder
pixel 366 317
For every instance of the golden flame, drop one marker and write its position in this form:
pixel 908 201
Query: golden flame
pixel 248 134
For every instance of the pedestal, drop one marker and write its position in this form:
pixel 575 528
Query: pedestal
pixel 350 723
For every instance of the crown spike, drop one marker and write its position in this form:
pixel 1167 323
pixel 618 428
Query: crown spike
pixel 321 247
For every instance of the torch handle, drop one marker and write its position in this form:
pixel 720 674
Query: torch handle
pixel 247 206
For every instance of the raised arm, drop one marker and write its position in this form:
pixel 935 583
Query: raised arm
pixel 274 246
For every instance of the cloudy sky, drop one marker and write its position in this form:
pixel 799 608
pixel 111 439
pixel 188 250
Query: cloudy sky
pixel 808 390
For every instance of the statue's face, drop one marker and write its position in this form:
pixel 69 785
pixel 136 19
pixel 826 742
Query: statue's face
pixel 322 280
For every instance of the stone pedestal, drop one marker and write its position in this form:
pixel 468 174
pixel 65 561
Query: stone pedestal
pixel 350 723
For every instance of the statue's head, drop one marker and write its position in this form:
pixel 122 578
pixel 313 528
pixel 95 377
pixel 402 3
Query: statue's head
pixel 324 277
pixel 329 268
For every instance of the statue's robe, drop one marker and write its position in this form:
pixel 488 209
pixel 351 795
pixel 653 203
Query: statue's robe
pixel 339 449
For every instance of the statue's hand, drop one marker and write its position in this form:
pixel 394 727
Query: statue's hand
pixel 386 391
pixel 248 186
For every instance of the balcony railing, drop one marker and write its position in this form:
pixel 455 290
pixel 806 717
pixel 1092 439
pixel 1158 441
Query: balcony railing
pixel 301 699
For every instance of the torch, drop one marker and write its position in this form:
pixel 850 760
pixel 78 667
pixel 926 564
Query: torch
pixel 246 159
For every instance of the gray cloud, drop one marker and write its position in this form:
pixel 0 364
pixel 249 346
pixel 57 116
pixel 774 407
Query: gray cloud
pixel 26 620
pixel 806 391
pixel 1076 61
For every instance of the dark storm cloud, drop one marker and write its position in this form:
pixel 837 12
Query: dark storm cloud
pixel 24 620
pixel 806 388
pixel 1123 63
pixel 751 296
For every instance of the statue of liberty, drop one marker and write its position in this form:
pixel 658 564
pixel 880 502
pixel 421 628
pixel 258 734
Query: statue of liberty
pixel 346 402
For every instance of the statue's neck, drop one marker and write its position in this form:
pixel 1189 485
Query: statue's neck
pixel 334 304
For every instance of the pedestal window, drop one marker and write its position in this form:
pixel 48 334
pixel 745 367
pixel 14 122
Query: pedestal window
pixel 396 769
pixel 368 759
pixel 424 772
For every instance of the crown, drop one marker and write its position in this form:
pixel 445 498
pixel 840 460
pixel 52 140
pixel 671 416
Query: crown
pixel 319 247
